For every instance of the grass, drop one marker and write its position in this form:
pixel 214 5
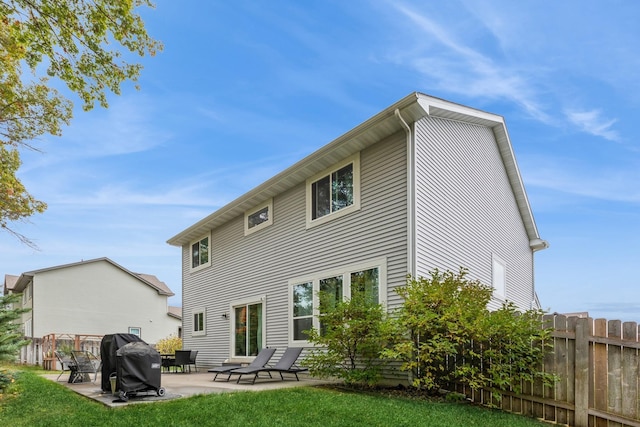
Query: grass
pixel 36 401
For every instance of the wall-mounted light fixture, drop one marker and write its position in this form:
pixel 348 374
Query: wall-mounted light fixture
pixel 225 316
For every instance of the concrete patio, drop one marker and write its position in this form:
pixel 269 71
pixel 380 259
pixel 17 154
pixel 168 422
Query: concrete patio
pixel 179 385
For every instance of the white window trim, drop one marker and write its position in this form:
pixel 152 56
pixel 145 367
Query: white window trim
pixel 269 205
pixel 499 294
pixel 345 272
pixel 355 159
pixel 203 332
pixel 201 266
pixel 232 336
pixel 139 334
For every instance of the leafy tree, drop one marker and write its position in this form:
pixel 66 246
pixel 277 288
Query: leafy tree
pixel 11 337
pixel 68 40
pixel 351 337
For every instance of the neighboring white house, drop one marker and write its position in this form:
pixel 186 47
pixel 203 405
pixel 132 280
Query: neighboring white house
pixel 424 184
pixel 95 297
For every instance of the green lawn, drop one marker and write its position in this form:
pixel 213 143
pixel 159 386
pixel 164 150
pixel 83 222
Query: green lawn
pixel 35 401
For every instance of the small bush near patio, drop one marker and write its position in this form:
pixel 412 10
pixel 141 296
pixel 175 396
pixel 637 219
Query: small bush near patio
pixel 36 401
pixel 169 345
pixel 350 338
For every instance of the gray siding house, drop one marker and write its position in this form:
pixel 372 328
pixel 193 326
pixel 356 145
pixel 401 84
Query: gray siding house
pixel 424 184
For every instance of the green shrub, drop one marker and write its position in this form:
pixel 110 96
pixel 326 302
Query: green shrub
pixel 448 335
pixel 352 334
pixel 439 315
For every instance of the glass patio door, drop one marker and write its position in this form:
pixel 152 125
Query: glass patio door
pixel 248 329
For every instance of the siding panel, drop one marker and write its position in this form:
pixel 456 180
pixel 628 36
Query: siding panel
pixel 466 209
pixel 263 262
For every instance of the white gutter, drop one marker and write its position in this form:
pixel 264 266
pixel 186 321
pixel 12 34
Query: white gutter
pixel 538 244
pixel 411 196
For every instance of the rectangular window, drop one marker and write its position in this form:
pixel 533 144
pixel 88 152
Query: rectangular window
pixel 199 322
pixel 366 283
pixel 311 296
pixel 135 331
pixel 330 294
pixel 498 277
pixel 334 192
pixel 200 254
pixel 248 329
pixel 302 310
pixel 28 328
pixel 258 218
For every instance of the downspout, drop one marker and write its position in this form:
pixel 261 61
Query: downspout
pixel 411 220
pixel 411 197
pixel 536 245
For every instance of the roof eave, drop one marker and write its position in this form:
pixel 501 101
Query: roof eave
pixel 412 108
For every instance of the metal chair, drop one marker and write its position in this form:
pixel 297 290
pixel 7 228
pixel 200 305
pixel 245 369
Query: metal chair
pixel 85 363
pixel 66 362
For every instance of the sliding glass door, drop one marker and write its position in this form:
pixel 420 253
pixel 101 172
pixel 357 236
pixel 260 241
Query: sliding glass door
pixel 248 329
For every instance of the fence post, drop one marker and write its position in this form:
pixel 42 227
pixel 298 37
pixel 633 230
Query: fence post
pixel 582 373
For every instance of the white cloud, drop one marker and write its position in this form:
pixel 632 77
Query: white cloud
pixel 619 184
pixel 592 122
pixel 458 68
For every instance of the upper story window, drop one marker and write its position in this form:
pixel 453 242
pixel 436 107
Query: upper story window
pixel 258 218
pixel 27 293
pixel 334 192
pixel 200 256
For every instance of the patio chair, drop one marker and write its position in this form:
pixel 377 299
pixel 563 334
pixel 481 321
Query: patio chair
pixel 192 360
pixel 85 364
pixel 286 364
pixel 183 358
pixel 66 362
pixel 260 361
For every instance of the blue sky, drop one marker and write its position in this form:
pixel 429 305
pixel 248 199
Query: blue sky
pixel 244 89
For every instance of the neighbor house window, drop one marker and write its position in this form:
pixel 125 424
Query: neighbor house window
pixel 258 218
pixel 334 192
pixel 200 257
pixel 199 322
pixel 248 331
pixel 498 277
pixel 319 293
pixel 135 331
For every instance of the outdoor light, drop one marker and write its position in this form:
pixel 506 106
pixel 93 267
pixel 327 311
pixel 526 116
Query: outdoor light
pixel 225 315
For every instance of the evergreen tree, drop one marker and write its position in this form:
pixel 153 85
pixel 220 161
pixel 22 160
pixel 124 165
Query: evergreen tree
pixel 11 337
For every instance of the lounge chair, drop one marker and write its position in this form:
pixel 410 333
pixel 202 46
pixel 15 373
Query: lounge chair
pixel 260 361
pixel 286 364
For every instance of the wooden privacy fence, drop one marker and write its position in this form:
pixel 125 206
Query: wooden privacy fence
pixel 597 363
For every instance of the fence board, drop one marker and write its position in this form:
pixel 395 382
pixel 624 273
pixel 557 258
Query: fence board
pixel 614 371
pixel 630 372
pixel 571 368
pixel 561 368
pixel 600 370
